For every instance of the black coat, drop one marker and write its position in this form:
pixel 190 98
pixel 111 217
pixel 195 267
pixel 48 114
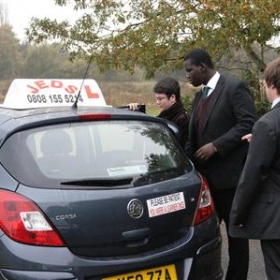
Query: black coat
pixel 257 200
pixel 230 115
pixel 177 114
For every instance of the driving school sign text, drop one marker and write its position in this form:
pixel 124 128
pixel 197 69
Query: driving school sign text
pixel 29 93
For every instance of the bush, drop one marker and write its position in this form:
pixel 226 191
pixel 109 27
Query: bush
pixel 262 106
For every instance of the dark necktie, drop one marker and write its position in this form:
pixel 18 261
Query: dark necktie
pixel 205 91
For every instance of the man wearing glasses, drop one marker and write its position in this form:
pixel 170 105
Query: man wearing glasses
pixel 168 98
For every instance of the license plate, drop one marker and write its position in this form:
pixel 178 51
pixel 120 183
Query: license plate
pixel 167 272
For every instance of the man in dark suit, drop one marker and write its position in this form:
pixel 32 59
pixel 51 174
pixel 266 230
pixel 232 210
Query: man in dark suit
pixel 255 211
pixel 223 111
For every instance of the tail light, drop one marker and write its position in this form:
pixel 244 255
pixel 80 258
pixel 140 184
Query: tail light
pixel 23 221
pixel 205 207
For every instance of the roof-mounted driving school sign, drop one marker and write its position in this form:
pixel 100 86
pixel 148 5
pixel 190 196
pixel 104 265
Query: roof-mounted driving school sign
pixel 34 93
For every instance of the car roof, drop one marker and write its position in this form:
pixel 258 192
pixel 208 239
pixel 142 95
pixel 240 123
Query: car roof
pixel 12 120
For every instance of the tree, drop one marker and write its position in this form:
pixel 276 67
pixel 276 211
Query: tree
pixel 42 61
pixel 156 33
pixel 9 53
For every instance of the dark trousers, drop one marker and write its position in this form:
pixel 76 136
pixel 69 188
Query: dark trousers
pixel 238 249
pixel 271 255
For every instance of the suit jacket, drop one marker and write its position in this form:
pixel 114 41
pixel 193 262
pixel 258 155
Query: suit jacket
pixel 257 201
pixel 229 116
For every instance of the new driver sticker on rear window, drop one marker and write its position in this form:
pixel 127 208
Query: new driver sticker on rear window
pixel 166 204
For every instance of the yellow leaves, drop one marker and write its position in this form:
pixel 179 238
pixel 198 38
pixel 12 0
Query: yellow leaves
pixel 245 7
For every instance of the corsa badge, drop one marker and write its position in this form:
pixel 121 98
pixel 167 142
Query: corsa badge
pixel 135 209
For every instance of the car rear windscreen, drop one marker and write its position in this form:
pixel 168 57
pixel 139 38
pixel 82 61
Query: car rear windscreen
pixel 104 150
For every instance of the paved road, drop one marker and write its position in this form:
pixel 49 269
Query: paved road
pixel 256 268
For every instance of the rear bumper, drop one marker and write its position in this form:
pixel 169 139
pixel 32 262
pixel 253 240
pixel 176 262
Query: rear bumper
pixel 205 265
pixel 199 257
pixel 38 275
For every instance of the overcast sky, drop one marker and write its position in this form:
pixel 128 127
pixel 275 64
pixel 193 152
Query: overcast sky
pixel 21 11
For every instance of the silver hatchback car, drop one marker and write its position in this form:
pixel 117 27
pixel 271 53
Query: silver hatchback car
pixel 101 193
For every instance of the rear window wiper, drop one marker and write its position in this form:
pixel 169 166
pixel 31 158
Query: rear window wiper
pixel 99 182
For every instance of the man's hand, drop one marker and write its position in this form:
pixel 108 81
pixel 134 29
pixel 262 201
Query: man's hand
pixel 205 152
pixel 247 137
pixel 133 106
